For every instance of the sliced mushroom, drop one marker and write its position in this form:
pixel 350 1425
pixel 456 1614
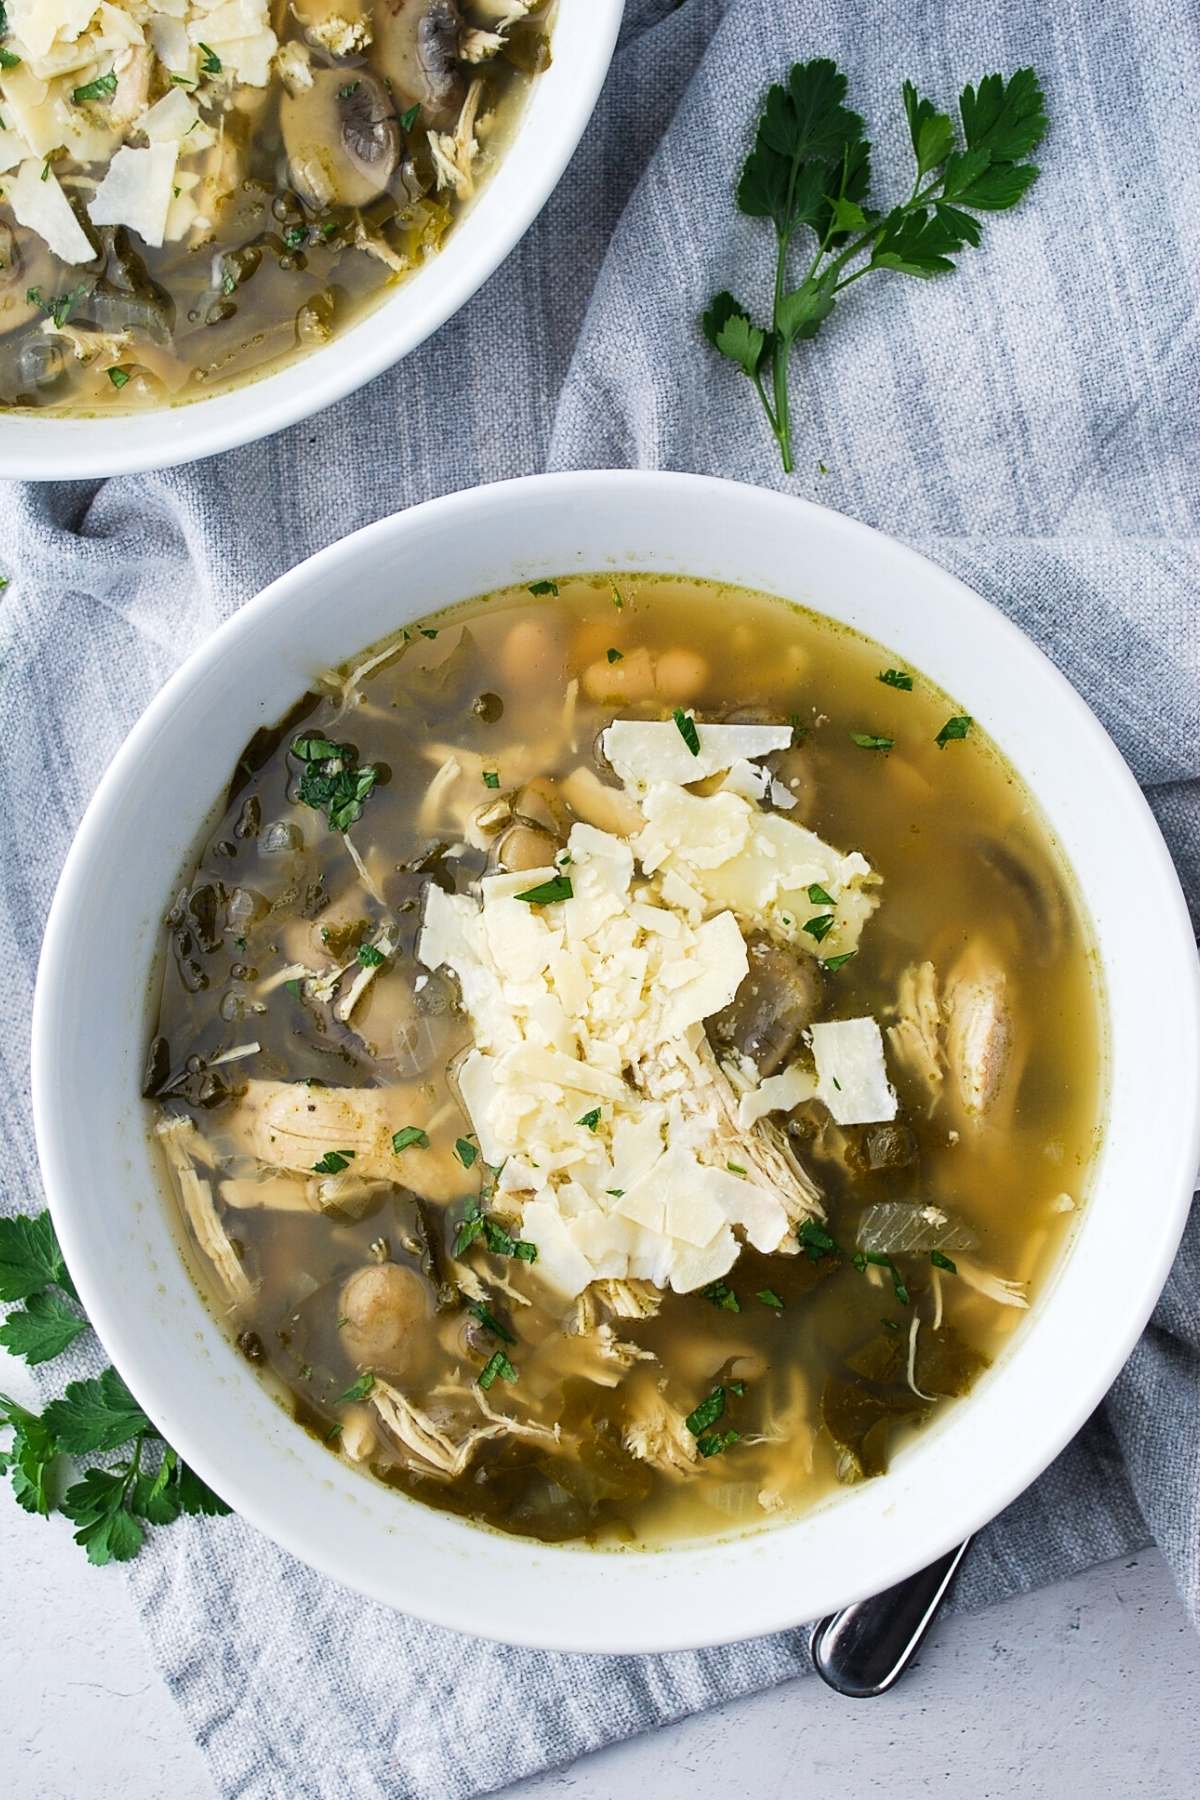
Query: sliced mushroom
pixel 342 138
pixel 779 996
pixel 417 46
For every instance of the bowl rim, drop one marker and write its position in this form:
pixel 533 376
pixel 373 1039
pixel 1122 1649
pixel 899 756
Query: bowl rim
pixel 768 1609
pixel 47 447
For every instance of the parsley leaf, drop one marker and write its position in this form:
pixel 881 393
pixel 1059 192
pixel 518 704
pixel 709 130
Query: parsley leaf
pixel 45 1328
pixel 686 726
pixel 332 781
pixel 711 1443
pixel 953 728
pixel 941 1261
pixel 30 1258
pixel 96 1415
pixel 810 169
pixel 770 1298
pixel 490 1322
pixel 707 1413
pixel 548 893
pixel 465 1152
pixel 30 1458
pixel 614 656
pixel 496 1365
pixel 97 1505
pixel 896 678
pixel 409 1135
pixel 543 587
pixel 820 926
pixel 818 896
pixel 590 1119
pixel 370 957
pixel 833 963
pixel 102 88
pixel 333 1162
pixel 358 1390
pixel 867 740
pixel 722 1295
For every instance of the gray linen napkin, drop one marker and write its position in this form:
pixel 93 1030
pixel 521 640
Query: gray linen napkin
pixel 1031 423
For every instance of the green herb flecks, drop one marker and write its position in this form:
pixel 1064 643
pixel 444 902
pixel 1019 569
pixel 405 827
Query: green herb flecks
pixel 867 740
pixel 615 656
pixel 103 88
pixel 490 778
pixel 686 726
pixel 490 1322
pixel 819 926
pixel 332 781
pixel 722 1295
pixel 707 1413
pixel 770 1298
pixel 370 957
pixel 896 678
pixel 409 116
pixel 810 169
pixel 409 1136
pixel 543 587
pixel 548 893
pixel 954 728
pixel 590 1119
pixel 358 1390
pixel 333 1162
pixel 941 1261
pixel 465 1152
pixel 118 376
pixel 210 62
pixel 496 1365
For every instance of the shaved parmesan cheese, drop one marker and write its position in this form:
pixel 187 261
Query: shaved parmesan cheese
pixel 851 1073
pixel 137 191
pixel 759 865
pixel 643 752
pixel 38 201
pixel 170 118
pixel 778 1093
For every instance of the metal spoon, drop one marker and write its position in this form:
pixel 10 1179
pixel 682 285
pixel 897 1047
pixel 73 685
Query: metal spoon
pixel 864 1649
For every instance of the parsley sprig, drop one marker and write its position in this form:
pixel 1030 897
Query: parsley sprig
pixel 811 168
pixel 111 1504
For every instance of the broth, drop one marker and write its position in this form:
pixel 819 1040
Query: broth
pixel 180 216
pixel 408 1299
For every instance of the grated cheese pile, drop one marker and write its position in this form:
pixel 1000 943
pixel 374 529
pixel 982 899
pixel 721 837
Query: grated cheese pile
pixel 123 99
pixel 577 1004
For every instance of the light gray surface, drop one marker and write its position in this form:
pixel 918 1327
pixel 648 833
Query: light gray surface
pixel 1087 1686
pixel 1030 422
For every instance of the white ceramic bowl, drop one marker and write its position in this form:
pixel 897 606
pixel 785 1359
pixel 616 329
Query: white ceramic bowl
pixel 43 447
pixel 104 1190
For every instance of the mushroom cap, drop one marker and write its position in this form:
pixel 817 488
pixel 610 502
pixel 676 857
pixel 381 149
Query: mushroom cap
pixel 342 138
pixel 416 47
pixel 386 1307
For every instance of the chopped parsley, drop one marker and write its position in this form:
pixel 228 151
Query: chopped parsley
pixel 8 60
pixel 118 377
pixel 427 631
pixel 770 1298
pixel 711 1443
pixel 819 926
pixel 721 1294
pixel 616 598
pixel 896 678
pixel 941 1261
pixel 956 727
pixel 615 655
pixel 833 963
pixel 370 957
pixel 543 587
pixel 490 1322
pixel 333 1162
pixel 707 1413
pixel 686 727
pixel 465 1152
pixel 490 778
pixel 409 117
pixel 590 1119
pixel 867 740
pixel 102 88
pixel 818 896
pixel 210 62
pixel 496 1365
pixel 332 781
pixel 860 1260
pixel 351 88
pixel 59 309
pixel 735 1168
pixel 358 1390
pixel 816 1240
pixel 548 893
pixel 409 1135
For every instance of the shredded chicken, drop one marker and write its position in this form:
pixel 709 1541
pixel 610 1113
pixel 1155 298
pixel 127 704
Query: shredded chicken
pixel 789 1423
pixel 688 1072
pixel 916 1036
pixel 454 152
pixel 180 1141
pixel 979 1032
pixel 599 1356
pixel 1004 1293
pixel 628 1299
pixel 433 1450
pixel 657 1434
pixel 288 1125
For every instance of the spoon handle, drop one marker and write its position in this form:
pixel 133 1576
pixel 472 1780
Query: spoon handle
pixel 864 1649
